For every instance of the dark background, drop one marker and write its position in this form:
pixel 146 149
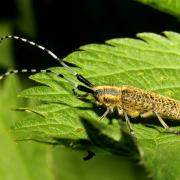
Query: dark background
pixel 63 26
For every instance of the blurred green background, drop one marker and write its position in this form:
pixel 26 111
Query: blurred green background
pixel 62 26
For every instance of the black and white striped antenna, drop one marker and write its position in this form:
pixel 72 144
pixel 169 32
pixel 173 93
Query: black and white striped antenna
pixel 54 56
pixel 15 71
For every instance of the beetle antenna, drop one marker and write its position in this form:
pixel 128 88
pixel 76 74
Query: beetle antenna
pixel 15 71
pixel 54 56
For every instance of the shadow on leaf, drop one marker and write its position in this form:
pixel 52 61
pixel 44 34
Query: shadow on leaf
pixel 126 146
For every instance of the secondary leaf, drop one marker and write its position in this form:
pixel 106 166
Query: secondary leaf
pixel 19 160
pixel 151 62
pixel 171 7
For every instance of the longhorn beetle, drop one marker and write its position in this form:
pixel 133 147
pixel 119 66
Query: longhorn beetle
pixel 128 100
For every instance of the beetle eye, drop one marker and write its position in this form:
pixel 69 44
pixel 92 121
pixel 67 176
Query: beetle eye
pixel 95 94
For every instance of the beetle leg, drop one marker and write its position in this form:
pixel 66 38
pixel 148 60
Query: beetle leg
pixel 104 115
pixel 161 120
pixel 120 111
pixel 109 110
pixel 165 125
pixel 128 123
pixel 147 114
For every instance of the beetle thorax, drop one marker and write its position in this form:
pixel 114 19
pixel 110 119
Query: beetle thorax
pixel 108 95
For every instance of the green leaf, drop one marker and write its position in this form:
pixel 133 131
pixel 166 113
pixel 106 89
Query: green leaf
pixel 171 7
pixel 19 160
pixel 151 62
